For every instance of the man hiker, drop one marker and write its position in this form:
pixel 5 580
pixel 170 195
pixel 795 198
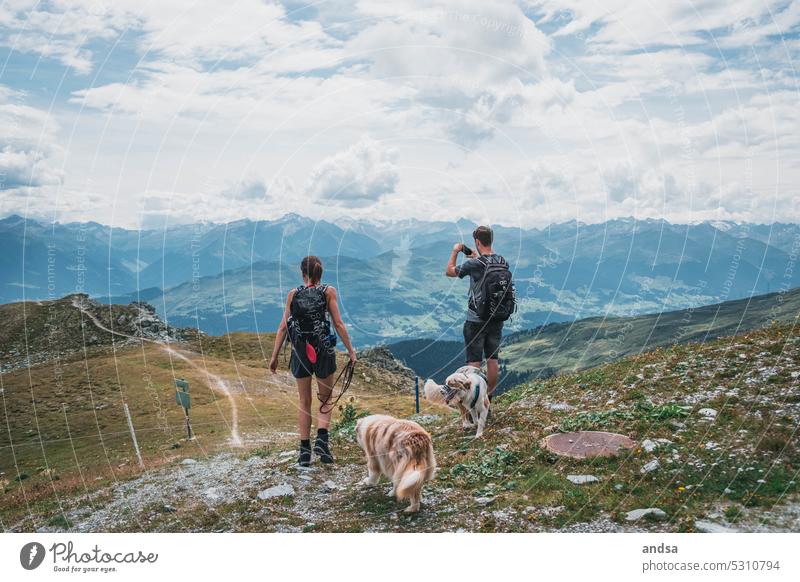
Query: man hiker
pixel 491 301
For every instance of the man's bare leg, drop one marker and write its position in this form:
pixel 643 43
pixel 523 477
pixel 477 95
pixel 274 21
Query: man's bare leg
pixel 492 371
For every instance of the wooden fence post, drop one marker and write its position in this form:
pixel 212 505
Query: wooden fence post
pixel 133 434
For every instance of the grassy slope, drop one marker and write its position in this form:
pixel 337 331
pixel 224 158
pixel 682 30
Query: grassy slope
pixel 738 465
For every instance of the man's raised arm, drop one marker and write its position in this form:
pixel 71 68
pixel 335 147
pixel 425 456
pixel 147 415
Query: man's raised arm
pixel 451 264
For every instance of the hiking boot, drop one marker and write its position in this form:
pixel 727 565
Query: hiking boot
pixel 305 453
pixel 321 448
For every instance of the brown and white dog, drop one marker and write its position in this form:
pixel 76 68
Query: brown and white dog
pixel 465 389
pixel 400 449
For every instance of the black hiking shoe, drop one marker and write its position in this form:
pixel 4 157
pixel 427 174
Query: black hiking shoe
pixel 321 448
pixel 305 453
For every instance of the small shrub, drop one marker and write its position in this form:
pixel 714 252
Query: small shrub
pixel 485 466
pixel 666 412
pixel 346 424
pixel 773 443
pixel 593 420
pixel 733 514
pixel 61 521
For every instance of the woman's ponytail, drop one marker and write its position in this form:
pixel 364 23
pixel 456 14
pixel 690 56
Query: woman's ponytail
pixel 311 268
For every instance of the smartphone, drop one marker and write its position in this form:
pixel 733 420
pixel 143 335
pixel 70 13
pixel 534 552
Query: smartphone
pixel 465 249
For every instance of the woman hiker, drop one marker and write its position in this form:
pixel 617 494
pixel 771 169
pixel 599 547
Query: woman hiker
pixel 307 323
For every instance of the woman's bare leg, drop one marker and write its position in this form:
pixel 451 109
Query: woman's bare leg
pixel 304 410
pixel 325 390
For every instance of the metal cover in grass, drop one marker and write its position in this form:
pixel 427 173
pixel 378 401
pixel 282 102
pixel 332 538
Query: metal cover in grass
pixel 587 444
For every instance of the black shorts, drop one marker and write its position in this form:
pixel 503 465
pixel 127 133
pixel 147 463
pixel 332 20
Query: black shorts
pixel 482 340
pixel 301 367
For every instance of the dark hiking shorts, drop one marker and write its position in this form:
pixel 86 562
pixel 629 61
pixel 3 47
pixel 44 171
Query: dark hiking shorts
pixel 482 340
pixel 302 368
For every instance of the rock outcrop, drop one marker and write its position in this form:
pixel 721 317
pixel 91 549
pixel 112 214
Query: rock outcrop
pixel 381 357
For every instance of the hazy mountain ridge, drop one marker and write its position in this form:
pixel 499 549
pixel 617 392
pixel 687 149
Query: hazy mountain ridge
pixel 389 275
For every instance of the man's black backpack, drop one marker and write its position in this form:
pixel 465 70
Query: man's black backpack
pixel 497 300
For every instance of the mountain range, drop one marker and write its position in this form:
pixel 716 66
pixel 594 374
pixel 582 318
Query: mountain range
pixel 390 275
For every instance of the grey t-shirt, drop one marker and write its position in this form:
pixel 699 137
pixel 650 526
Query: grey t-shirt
pixel 474 268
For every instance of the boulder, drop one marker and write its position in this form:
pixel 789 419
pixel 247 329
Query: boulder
pixel 711 527
pixel 330 486
pixel 651 512
pixel 282 490
pixel 653 465
pixel 582 479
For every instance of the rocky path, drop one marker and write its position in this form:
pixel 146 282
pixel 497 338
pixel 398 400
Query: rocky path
pixel 229 493
pixel 225 492
pixel 215 383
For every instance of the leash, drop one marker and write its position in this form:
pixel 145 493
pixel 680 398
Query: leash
pixel 347 374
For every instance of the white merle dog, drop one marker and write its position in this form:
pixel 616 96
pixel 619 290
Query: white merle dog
pixel 466 390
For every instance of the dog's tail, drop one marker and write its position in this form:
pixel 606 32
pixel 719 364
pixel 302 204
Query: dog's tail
pixel 419 467
pixel 410 482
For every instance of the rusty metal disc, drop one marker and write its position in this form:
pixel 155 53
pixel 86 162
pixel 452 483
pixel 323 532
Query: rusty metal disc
pixel 587 444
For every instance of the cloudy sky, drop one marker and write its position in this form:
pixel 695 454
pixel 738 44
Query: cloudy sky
pixel 140 112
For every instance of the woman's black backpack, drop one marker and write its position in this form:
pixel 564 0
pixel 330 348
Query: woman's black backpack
pixel 308 323
pixel 497 300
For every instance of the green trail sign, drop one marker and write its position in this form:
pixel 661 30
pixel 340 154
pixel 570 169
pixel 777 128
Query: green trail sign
pixel 183 399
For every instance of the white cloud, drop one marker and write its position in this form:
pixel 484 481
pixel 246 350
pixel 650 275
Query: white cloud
pixel 60 29
pixel 27 149
pixel 356 177
pixel 188 32
pixel 477 41
pixel 623 25
pixel 248 189
pixel 25 168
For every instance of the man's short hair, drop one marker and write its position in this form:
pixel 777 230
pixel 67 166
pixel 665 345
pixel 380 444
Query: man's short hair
pixel 484 235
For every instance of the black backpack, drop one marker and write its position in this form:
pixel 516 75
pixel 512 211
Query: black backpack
pixel 308 321
pixel 497 300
